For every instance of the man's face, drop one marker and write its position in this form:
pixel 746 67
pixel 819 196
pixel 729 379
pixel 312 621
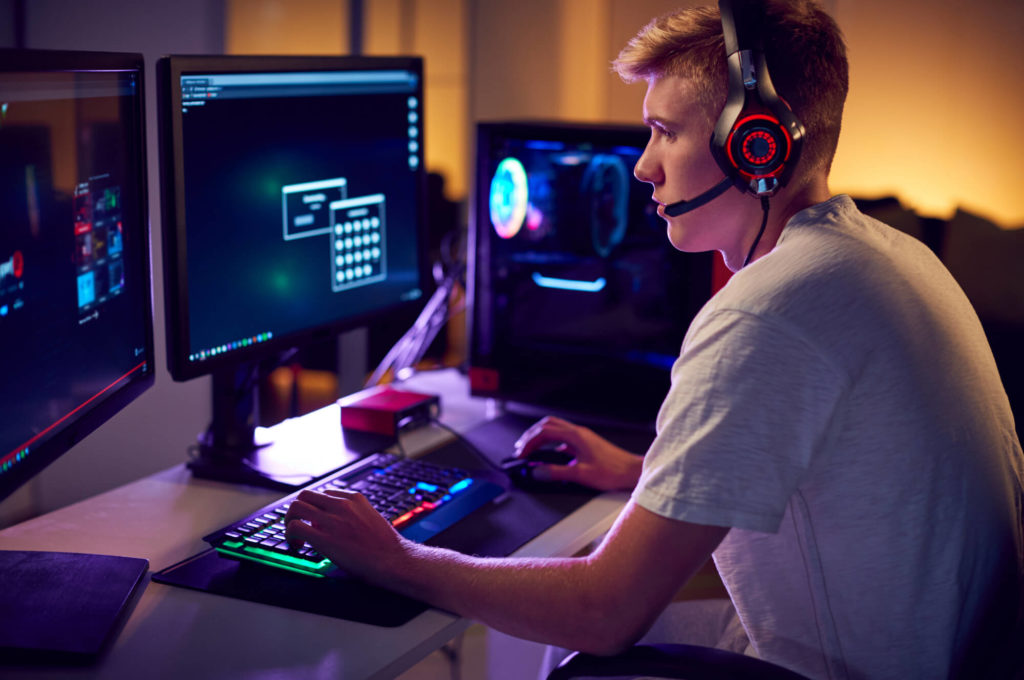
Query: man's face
pixel 678 164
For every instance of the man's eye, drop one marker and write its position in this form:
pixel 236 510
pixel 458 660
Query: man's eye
pixel 658 131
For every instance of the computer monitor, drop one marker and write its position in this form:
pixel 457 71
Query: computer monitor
pixel 293 208
pixel 75 296
pixel 76 336
pixel 579 302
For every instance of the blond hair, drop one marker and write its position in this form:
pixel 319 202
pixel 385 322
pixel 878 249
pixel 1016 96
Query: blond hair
pixel 803 48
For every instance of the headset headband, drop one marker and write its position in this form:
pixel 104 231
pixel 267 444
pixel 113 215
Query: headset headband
pixel 757 139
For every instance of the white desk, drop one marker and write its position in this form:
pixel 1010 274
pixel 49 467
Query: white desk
pixel 178 633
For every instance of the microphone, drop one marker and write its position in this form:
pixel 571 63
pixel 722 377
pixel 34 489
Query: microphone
pixel 679 207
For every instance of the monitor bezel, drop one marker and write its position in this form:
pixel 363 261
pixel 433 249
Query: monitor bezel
pixel 169 70
pixel 95 413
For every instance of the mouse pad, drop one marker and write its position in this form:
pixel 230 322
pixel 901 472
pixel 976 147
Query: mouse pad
pixel 512 520
pixel 504 527
pixel 496 530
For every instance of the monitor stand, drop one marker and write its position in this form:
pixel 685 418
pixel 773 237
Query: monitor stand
pixel 284 457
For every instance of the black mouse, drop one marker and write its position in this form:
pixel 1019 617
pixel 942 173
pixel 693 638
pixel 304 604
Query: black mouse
pixel 520 470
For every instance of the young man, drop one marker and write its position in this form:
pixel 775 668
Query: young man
pixel 836 433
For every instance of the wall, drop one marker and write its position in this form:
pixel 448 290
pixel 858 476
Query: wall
pixel 153 432
pixel 286 27
pixel 934 113
pixel 438 31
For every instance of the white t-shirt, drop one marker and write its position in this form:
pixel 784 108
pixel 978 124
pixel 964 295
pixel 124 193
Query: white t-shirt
pixel 838 406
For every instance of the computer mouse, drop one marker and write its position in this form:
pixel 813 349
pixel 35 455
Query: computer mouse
pixel 520 470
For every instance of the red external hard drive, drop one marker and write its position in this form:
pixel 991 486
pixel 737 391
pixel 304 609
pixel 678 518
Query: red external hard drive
pixel 385 409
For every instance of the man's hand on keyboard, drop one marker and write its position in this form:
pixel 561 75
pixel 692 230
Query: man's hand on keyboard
pixel 343 526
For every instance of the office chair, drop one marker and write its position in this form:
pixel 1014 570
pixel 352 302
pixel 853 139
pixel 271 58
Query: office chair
pixel 671 661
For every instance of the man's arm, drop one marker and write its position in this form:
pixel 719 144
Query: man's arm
pixel 600 603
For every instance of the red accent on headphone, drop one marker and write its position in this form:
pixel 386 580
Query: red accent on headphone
pixel 748 147
pixel 748 153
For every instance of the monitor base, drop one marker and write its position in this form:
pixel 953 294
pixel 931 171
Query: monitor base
pixel 229 450
pixel 287 456
pixel 245 470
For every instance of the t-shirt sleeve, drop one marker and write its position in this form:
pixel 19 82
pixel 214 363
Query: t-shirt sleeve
pixel 749 408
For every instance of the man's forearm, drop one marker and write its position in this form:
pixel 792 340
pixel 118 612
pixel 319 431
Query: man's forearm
pixel 598 603
pixel 560 601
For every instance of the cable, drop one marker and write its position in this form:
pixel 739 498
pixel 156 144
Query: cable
pixel 452 652
pixel 411 347
pixel 398 445
pixel 760 232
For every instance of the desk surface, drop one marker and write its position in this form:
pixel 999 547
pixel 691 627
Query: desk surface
pixel 178 633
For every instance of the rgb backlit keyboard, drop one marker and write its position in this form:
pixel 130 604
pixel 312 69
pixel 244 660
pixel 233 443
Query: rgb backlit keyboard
pixel 420 499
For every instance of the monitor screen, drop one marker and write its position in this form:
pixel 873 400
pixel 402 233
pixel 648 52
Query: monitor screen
pixel 75 310
pixel 579 301
pixel 293 209
pixel 293 200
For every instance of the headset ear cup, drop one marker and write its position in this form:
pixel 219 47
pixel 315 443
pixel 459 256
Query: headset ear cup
pixel 753 147
pixel 758 146
pixel 758 138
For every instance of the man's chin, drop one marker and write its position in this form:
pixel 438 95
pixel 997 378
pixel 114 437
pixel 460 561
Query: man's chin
pixel 683 241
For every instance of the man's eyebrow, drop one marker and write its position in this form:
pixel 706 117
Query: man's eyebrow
pixel 655 121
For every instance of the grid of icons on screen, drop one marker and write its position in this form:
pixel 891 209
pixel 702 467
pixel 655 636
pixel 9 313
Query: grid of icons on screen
pixel 357 249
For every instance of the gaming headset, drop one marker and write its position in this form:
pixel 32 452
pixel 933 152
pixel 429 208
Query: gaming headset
pixel 757 138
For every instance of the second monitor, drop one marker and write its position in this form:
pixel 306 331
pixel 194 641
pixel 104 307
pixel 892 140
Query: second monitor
pixel 293 209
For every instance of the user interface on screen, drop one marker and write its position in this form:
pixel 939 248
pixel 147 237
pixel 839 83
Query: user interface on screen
pixel 74 278
pixel 301 199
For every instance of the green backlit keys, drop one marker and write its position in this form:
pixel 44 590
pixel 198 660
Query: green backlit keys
pixel 261 539
pixel 311 564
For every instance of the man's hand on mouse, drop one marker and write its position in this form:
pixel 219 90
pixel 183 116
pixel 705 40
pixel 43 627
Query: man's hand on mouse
pixel 596 463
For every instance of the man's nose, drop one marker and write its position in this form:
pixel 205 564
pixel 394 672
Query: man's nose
pixel 645 169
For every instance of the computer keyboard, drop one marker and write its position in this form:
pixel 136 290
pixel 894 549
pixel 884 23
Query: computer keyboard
pixel 419 498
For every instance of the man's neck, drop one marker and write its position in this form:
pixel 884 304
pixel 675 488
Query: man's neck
pixel 783 206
